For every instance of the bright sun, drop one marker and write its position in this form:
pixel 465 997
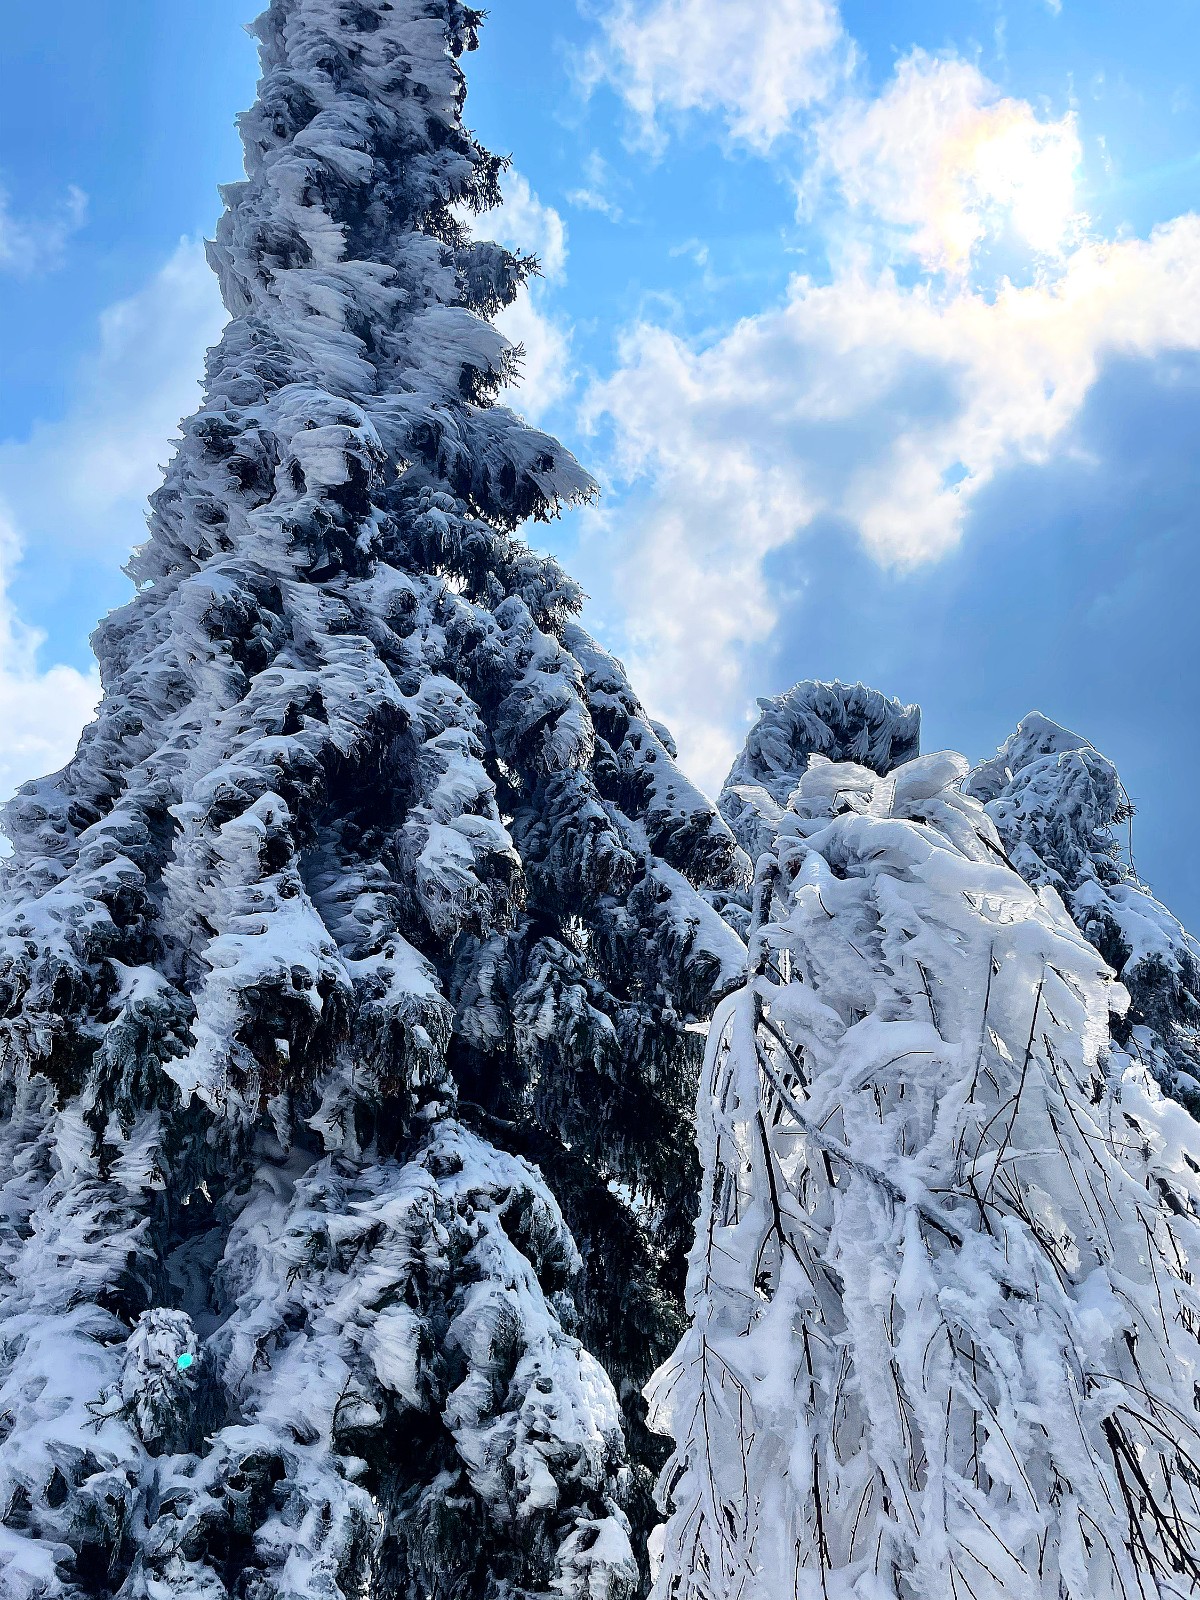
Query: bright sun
pixel 1028 169
pixel 1009 171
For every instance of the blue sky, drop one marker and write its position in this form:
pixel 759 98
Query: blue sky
pixel 879 325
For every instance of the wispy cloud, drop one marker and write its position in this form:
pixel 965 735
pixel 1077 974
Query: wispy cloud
pixel 36 244
pixel 595 193
pixel 755 66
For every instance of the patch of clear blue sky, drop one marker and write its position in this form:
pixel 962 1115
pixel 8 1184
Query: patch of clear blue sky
pixel 133 101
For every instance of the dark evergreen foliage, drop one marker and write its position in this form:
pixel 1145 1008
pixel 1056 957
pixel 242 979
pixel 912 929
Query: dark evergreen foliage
pixel 348 972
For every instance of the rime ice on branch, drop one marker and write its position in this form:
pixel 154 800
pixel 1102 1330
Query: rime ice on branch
pixel 347 970
pixel 1057 804
pixel 944 1318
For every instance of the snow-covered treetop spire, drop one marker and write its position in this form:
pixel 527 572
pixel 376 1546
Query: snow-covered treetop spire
pixel 345 242
pixel 842 722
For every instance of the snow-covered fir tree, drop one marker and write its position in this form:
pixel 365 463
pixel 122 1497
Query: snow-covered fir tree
pixel 944 1319
pixel 1060 809
pixel 348 971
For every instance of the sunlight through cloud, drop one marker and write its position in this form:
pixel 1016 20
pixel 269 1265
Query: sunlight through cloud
pixel 944 162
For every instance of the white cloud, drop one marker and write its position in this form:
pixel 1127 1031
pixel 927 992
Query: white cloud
pixel 525 222
pixel 41 712
pixel 80 482
pixel 756 66
pixel 547 375
pixel 36 244
pixel 76 488
pixel 880 403
pixel 945 160
pixel 887 407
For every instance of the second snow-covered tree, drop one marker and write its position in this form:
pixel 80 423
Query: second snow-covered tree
pixel 944 1338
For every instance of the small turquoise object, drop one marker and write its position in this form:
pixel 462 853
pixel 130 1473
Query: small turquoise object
pixel 184 1362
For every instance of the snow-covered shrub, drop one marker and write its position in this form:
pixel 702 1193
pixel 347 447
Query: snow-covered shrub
pixel 158 1377
pixel 944 1323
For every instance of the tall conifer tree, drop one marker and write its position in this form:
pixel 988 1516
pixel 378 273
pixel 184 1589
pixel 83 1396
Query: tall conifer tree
pixel 347 970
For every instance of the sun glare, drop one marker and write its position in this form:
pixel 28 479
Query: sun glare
pixel 1027 169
